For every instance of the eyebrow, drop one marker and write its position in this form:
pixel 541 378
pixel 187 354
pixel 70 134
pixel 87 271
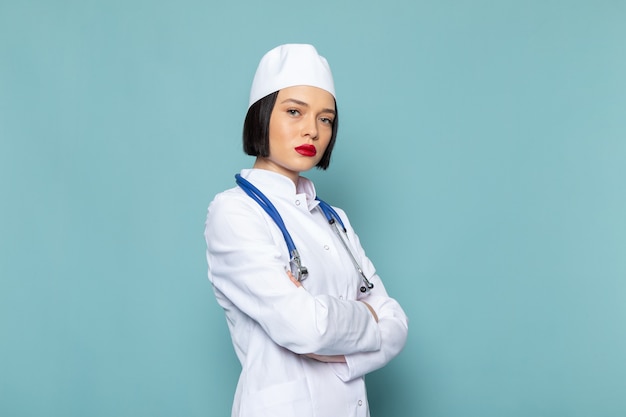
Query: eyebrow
pixel 302 103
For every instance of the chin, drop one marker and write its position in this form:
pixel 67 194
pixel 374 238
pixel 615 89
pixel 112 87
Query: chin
pixel 308 168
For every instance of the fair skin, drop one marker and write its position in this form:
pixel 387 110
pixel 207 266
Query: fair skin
pixel 302 116
pixel 300 129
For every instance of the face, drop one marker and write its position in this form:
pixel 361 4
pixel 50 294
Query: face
pixel 301 126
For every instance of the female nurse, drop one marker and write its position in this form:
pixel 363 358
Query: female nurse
pixel 306 337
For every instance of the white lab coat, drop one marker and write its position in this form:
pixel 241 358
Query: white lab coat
pixel 272 322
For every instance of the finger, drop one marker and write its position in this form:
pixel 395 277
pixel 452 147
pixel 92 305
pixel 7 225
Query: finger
pixel 369 307
pixel 293 279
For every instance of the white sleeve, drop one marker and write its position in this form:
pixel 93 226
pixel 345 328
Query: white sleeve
pixel 392 321
pixel 248 266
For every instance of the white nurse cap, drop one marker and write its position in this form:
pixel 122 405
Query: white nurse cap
pixel 288 66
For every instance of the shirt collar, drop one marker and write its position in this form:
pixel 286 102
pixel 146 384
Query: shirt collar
pixel 274 184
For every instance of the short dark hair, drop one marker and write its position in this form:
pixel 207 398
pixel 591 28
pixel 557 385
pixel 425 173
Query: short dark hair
pixel 256 130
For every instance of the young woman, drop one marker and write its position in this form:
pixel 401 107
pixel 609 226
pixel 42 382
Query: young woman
pixel 308 315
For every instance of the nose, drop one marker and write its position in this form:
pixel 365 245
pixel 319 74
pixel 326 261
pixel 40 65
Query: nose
pixel 310 127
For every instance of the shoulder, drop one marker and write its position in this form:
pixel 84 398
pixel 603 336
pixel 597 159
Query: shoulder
pixel 230 196
pixel 233 211
pixel 229 203
pixel 234 219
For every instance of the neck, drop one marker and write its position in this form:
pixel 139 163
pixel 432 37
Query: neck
pixel 264 163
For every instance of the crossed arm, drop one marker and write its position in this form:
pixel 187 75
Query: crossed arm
pixel 327 329
pixel 329 358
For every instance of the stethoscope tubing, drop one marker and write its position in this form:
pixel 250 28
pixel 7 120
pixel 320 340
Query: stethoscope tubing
pixel 331 215
pixel 269 208
pixel 301 271
pixel 334 220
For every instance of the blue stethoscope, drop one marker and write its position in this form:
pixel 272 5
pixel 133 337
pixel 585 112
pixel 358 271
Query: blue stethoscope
pixel 300 271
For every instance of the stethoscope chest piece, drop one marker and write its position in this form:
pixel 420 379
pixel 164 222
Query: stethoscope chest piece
pixel 299 271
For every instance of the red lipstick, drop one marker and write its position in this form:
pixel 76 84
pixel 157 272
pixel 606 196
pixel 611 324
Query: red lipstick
pixel 306 150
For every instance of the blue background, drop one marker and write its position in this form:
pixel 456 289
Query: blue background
pixel 481 157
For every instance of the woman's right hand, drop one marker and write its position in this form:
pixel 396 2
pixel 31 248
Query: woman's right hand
pixel 293 279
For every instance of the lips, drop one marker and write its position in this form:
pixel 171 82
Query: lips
pixel 306 150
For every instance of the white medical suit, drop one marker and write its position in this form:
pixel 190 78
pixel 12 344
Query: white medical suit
pixel 273 323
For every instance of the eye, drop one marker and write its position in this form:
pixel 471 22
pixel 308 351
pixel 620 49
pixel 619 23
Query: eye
pixel 293 112
pixel 327 120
